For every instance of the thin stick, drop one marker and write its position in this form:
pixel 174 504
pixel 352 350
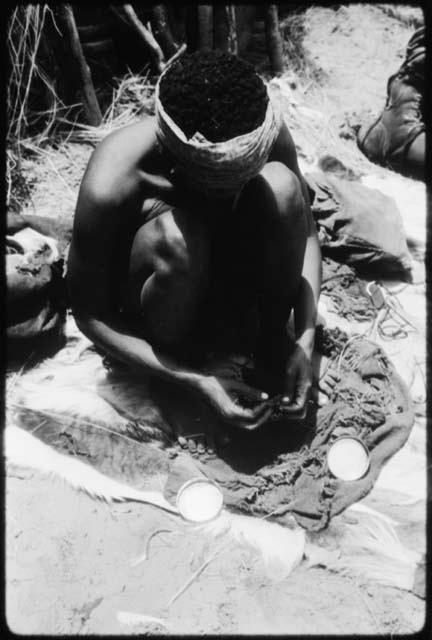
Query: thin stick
pixel 162 30
pixel 195 575
pixel 90 101
pixel 144 33
pixel 273 39
pixel 177 54
pixel 144 556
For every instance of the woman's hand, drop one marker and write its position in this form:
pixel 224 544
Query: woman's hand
pixel 236 403
pixel 298 383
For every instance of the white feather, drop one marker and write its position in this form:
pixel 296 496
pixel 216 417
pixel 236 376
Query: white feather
pixel 362 508
pixel 372 550
pixel 71 387
pixel 132 619
pixel 24 450
pixel 280 548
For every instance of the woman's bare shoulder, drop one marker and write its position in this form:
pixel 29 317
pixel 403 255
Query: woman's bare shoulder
pixel 132 140
pixel 113 165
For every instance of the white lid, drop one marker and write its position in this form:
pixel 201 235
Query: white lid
pixel 348 458
pixel 199 500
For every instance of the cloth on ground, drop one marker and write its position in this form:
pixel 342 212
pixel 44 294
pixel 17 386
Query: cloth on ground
pixel 347 291
pixel 282 465
pixel 370 402
pixel 36 294
pixel 358 226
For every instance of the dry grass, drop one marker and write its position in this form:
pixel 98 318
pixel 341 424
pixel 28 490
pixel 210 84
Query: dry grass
pixel 31 130
pixel 323 100
pixel 410 16
pixel 319 125
pixel 27 127
pixel 28 80
pixel 297 60
pixel 317 132
pixel 132 98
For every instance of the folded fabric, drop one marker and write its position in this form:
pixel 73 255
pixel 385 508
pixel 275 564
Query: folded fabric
pixel 359 226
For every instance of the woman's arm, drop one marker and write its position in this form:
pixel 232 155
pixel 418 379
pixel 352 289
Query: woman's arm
pixel 305 308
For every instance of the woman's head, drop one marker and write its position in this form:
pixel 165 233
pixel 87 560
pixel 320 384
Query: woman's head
pixel 215 121
pixel 215 94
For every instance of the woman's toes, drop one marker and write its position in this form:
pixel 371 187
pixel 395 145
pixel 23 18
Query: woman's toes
pixel 201 446
pixel 192 445
pixel 182 442
pixel 322 399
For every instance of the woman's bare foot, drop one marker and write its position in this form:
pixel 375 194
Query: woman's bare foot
pixel 326 378
pixel 202 444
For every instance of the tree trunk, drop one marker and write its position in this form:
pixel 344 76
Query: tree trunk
pixel 90 101
pixel 245 24
pixel 274 39
pixel 49 63
pixel 99 31
pixel 205 27
pixel 232 29
pixel 178 21
pixel 191 27
pixel 147 38
pixel 220 27
pixel 162 30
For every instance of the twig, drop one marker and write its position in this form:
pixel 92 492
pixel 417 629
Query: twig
pixel 90 100
pixel 144 33
pixel 194 576
pixel 41 424
pixel 177 54
pixel 144 556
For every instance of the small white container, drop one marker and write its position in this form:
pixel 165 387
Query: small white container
pixel 199 500
pixel 348 458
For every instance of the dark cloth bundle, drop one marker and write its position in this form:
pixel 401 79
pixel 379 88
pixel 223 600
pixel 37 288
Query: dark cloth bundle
pixel 358 226
pixel 389 140
pixel 36 293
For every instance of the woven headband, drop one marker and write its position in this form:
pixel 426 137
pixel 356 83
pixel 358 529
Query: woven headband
pixel 218 168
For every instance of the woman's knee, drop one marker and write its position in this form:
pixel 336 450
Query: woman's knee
pixel 282 190
pixel 182 247
pixel 170 297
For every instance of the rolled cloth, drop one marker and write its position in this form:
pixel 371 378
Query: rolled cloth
pixel 218 168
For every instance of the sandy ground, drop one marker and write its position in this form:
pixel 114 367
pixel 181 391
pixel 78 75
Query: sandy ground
pixel 68 558
pixel 68 571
